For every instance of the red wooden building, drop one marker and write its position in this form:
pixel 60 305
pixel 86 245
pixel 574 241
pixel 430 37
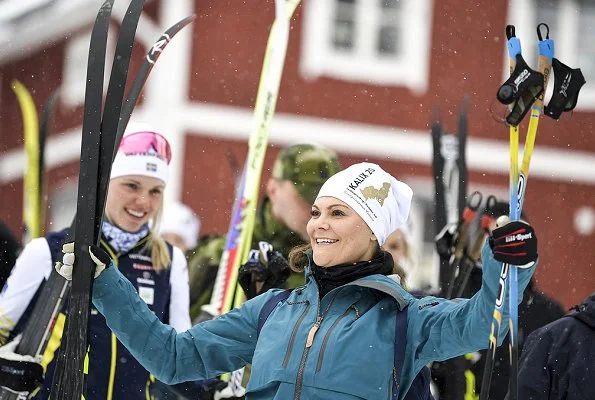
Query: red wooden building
pixel 361 77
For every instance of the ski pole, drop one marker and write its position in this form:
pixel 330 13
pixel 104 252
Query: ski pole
pixel 514 49
pixel 463 232
pixel 546 53
pixel 485 221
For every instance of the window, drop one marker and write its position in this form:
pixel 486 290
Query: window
pixel 62 205
pixel 74 76
pixel 572 26
pixel 383 42
pixel 11 10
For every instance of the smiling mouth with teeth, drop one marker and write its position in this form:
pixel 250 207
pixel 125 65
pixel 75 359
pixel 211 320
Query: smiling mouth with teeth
pixel 326 241
pixel 137 214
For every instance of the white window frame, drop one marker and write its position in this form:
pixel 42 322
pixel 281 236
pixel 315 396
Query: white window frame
pixel 62 204
pixel 521 14
pixel 365 64
pixel 74 73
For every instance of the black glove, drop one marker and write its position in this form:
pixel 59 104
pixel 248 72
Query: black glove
pixel 19 373
pixel 514 243
pixel 445 241
pixel 216 389
pixel 265 269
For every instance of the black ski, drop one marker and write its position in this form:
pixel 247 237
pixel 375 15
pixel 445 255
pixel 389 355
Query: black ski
pixel 449 171
pixel 144 71
pixel 55 289
pixel 99 132
pixel 450 184
pixel 85 228
pixel 113 101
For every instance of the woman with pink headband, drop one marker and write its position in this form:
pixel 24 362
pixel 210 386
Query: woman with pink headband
pixel 129 233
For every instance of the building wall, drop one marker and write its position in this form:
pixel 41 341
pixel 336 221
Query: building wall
pixel 467 58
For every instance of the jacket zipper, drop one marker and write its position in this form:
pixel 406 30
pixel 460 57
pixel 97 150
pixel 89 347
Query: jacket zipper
pixel 328 334
pixel 390 385
pixel 294 334
pixel 309 341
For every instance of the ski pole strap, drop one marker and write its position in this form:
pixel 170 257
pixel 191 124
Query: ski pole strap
pixel 400 345
pixel 522 88
pixel 269 306
pixel 567 85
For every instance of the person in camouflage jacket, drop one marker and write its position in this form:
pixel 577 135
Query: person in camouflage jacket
pixel 298 173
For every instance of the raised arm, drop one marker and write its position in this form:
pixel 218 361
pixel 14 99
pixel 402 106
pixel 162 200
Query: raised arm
pixel 204 351
pixel 459 326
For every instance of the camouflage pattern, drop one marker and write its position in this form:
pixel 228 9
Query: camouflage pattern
pixel 204 261
pixel 308 166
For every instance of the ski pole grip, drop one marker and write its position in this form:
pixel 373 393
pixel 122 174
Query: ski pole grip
pixel 510 32
pixel 545 46
pixel 468 216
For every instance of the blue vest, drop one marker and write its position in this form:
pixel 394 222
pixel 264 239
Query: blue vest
pixel 112 369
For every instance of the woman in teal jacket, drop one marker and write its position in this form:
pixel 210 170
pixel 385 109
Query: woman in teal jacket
pixel 334 337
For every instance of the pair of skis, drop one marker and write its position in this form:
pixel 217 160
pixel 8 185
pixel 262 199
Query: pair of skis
pixel 102 132
pixel 464 257
pixel 226 291
pixel 449 169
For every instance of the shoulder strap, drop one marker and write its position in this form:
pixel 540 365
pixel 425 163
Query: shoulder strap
pixel 400 344
pixel 269 306
pixel 420 387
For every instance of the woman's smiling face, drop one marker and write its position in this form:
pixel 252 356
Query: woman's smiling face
pixel 133 200
pixel 338 235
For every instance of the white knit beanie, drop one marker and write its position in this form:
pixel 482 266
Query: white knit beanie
pixel 147 164
pixel 382 201
pixel 179 219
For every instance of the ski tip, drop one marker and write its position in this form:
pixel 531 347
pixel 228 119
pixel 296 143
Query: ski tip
pixel 435 116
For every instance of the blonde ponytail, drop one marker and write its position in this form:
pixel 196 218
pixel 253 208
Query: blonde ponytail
pixel 159 252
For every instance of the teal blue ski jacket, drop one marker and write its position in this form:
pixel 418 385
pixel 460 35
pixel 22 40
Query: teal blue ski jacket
pixel 337 347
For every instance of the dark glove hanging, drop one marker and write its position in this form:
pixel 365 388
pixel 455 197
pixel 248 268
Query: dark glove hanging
pixel 265 269
pixel 514 243
pixel 19 373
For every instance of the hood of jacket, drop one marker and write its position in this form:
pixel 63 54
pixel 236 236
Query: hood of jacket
pixel 585 312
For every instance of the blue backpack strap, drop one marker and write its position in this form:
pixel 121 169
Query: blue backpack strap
pixel 269 306
pixel 420 387
pixel 400 344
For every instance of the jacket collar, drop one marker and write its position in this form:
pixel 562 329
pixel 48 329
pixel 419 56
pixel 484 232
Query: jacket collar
pixel 389 285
